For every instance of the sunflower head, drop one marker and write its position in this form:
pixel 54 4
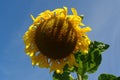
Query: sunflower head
pixel 54 37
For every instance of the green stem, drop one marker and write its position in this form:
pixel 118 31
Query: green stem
pixel 79 77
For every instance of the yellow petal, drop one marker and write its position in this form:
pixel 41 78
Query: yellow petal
pixel 74 11
pixel 32 17
pixel 86 29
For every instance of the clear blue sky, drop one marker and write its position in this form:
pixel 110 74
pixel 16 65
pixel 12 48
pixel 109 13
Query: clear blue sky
pixel 102 15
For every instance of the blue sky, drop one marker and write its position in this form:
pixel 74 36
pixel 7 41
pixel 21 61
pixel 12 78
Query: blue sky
pixel 103 17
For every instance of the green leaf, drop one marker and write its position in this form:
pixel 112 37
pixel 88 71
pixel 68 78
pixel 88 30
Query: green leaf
pixel 90 62
pixel 98 45
pixel 85 77
pixel 93 62
pixel 94 56
pixel 108 77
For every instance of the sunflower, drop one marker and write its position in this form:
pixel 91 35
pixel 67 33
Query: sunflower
pixel 54 37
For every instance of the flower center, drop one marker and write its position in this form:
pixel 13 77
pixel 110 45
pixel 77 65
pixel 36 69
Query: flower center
pixel 54 39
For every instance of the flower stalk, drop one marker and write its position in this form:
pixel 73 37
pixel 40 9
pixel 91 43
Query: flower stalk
pixel 79 77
